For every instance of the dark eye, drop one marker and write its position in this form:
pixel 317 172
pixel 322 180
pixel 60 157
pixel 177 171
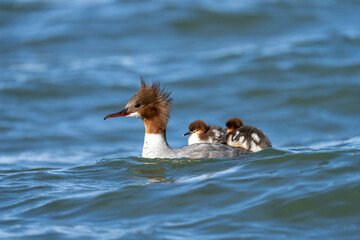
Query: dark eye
pixel 137 105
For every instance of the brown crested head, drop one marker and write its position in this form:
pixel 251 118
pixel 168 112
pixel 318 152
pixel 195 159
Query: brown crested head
pixel 198 126
pixel 152 104
pixel 150 101
pixel 233 124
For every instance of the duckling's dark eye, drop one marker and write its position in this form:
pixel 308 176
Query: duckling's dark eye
pixel 137 105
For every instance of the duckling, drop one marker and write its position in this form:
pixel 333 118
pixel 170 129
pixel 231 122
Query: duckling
pixel 200 132
pixel 247 137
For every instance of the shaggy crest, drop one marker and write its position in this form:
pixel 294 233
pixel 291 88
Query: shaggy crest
pixel 155 95
pixel 155 105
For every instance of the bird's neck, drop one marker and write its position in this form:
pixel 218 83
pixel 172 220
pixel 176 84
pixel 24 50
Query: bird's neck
pixel 155 144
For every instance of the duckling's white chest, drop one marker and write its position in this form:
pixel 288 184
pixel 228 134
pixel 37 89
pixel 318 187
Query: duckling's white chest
pixel 194 138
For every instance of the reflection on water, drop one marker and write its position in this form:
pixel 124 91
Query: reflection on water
pixel 153 175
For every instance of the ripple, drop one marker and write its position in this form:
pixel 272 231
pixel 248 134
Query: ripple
pixel 288 67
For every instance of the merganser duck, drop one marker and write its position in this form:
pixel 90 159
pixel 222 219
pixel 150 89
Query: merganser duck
pixel 246 137
pixel 152 104
pixel 200 132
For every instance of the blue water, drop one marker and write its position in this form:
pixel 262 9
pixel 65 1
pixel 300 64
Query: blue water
pixel 291 68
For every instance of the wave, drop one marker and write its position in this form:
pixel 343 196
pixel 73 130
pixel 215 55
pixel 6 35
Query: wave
pixel 337 145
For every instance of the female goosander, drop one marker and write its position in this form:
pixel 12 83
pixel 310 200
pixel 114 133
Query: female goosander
pixel 152 104
pixel 200 132
pixel 246 137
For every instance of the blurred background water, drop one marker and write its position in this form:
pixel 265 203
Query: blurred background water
pixel 291 68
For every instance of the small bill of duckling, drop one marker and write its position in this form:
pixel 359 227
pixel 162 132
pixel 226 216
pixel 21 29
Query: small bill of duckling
pixel 200 132
pixel 247 137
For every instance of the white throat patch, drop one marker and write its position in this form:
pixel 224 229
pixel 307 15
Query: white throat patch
pixel 134 114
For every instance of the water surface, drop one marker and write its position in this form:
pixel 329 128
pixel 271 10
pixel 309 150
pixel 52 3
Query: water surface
pixel 290 68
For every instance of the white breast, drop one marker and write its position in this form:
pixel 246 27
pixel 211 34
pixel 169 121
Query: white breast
pixel 155 145
pixel 194 138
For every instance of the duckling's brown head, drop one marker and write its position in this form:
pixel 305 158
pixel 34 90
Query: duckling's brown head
pixel 198 127
pixel 233 124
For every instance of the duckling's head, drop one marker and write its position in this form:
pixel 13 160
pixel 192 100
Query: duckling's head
pixel 233 124
pixel 197 127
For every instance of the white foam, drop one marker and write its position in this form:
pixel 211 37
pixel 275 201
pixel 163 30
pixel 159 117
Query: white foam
pixel 58 157
pixel 352 143
pixel 208 175
pixel 345 144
